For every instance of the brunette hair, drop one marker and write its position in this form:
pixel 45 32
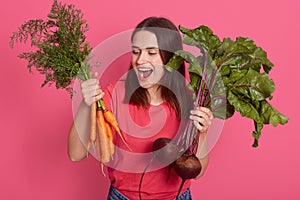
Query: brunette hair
pixel 173 85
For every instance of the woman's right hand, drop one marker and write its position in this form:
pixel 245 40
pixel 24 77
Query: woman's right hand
pixel 91 90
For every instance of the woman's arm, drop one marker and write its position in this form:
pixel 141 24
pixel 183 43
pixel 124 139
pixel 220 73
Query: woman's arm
pixel 79 131
pixel 202 153
pixel 202 120
pixel 77 143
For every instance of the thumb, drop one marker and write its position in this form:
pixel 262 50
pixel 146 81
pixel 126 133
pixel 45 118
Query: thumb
pixel 95 75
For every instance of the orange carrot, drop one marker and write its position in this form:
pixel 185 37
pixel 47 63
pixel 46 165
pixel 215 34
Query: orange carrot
pixel 110 118
pixel 104 141
pixel 97 147
pixel 110 139
pixel 88 147
pixel 110 149
pixel 93 130
pixel 102 168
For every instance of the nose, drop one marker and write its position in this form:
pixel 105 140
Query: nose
pixel 142 58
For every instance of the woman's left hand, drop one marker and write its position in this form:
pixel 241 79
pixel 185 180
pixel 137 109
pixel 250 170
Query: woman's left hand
pixel 202 117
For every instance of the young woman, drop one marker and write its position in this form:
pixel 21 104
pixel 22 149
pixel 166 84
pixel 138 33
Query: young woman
pixel 149 104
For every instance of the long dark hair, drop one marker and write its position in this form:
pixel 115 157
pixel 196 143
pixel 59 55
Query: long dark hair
pixel 173 85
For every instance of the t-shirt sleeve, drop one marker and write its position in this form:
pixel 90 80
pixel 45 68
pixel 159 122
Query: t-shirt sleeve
pixel 108 96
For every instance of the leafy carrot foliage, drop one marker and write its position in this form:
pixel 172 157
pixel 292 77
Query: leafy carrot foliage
pixel 60 45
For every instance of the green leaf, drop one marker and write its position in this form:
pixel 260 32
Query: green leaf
pixel 242 53
pixel 174 63
pixel 252 85
pixel 234 76
pixel 221 108
pixel 194 68
pixel 202 37
pixel 270 115
pixel 194 82
pixel 257 133
pixel 245 108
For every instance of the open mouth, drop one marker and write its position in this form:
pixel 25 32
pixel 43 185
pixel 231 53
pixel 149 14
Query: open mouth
pixel 145 72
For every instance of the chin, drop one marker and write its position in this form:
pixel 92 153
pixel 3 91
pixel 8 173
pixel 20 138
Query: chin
pixel 147 85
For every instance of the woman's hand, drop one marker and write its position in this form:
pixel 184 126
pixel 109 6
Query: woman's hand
pixel 202 118
pixel 91 90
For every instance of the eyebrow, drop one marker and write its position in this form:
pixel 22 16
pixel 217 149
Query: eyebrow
pixel 145 48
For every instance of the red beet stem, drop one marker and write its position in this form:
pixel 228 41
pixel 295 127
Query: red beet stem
pixel 180 188
pixel 143 174
pixel 187 167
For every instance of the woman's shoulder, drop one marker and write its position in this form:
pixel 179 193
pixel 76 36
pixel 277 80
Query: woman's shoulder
pixel 114 93
pixel 115 86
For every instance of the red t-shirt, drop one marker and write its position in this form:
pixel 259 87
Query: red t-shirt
pixel 141 127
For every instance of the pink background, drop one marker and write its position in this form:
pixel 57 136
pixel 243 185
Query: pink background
pixel 35 121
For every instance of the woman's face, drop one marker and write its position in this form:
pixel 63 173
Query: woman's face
pixel 146 59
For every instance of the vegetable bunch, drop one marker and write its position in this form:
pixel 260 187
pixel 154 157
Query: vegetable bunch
pixel 228 76
pixel 60 47
pixel 62 55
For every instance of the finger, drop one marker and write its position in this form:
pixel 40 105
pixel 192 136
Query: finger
pixel 91 88
pixel 90 85
pixel 89 82
pixel 95 75
pixel 92 92
pixel 204 112
pixel 89 99
pixel 200 120
pixel 207 111
pixel 198 126
pixel 201 115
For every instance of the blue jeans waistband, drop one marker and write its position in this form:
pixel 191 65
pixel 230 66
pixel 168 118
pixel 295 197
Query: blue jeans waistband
pixel 114 194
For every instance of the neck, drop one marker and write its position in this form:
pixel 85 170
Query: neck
pixel 155 95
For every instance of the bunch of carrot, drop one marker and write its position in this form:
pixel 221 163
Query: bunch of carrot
pixel 101 136
pixel 61 62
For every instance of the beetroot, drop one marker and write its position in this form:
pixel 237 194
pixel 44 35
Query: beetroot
pixel 164 150
pixel 187 167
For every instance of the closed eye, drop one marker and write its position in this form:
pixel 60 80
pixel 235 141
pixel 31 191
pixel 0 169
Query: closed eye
pixel 150 50
pixel 153 51
pixel 135 52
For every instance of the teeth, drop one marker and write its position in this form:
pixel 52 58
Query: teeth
pixel 144 72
